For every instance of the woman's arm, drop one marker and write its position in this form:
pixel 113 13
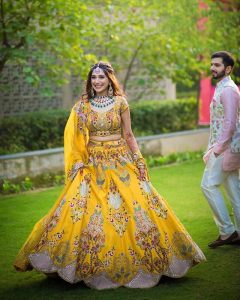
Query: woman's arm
pixel 132 144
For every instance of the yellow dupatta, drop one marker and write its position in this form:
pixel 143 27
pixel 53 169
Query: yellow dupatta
pixel 75 140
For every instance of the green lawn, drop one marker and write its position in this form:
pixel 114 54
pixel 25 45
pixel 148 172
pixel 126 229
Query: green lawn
pixel 218 278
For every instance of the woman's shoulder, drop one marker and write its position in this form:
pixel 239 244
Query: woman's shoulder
pixel 81 101
pixel 120 99
pixel 122 103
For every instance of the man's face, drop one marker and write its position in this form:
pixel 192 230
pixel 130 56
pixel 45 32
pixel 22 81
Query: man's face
pixel 217 68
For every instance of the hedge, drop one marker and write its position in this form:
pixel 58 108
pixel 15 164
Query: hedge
pixel 42 130
pixel 156 117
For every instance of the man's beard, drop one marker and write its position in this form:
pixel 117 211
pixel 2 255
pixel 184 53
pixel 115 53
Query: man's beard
pixel 219 75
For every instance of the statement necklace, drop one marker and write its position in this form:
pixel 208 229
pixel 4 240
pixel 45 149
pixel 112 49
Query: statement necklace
pixel 101 101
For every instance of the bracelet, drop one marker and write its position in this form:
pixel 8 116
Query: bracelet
pixel 139 160
pixel 136 155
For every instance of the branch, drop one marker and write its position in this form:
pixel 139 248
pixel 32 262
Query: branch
pixel 130 66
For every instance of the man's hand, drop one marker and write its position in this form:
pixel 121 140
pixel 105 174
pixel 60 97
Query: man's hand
pixel 207 155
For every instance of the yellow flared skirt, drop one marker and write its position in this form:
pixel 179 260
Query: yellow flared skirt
pixel 109 228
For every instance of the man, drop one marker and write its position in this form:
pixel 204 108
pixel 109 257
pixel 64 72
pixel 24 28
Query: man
pixel 223 154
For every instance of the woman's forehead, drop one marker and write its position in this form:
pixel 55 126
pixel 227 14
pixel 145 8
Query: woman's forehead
pixel 98 71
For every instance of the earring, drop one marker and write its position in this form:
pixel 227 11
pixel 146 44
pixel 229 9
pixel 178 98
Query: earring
pixel 110 91
pixel 92 92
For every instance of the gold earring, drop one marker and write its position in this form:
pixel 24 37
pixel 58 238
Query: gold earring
pixel 110 91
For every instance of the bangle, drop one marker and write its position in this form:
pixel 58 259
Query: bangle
pixel 136 156
pixel 139 160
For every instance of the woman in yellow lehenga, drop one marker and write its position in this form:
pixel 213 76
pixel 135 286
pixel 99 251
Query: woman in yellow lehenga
pixel 109 227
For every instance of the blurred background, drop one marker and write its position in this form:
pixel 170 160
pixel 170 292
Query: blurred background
pixel 159 49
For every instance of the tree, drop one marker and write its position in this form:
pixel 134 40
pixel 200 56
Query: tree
pixel 46 37
pixel 145 40
pixel 162 38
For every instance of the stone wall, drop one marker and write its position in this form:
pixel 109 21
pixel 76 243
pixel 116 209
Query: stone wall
pixel 51 160
pixel 18 97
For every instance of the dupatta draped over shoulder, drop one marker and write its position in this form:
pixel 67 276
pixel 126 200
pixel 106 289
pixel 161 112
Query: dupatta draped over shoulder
pixel 76 137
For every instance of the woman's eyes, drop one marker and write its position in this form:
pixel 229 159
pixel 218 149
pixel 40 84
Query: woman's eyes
pixel 101 77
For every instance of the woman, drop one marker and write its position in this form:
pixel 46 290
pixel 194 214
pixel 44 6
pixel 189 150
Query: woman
pixel 109 227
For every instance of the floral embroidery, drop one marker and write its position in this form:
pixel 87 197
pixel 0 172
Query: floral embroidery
pixel 81 111
pixel 122 270
pixel 147 236
pixel 183 245
pixel 105 157
pixel 217 116
pixel 155 201
pixel 123 174
pixel 88 246
pixel 78 204
pixel 52 221
pixel 118 215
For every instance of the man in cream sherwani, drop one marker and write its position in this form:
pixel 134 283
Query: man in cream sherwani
pixel 222 158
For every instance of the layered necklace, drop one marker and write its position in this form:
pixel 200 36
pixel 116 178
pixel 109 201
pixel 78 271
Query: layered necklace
pixel 101 101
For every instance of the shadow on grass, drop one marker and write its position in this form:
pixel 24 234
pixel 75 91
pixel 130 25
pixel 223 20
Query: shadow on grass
pixel 56 288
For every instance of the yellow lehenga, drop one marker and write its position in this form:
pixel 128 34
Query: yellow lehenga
pixel 107 228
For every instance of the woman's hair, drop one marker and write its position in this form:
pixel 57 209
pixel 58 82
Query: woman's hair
pixel 109 72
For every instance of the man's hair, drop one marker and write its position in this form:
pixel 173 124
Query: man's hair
pixel 227 58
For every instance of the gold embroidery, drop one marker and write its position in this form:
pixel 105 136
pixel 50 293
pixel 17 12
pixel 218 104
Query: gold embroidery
pixel 118 215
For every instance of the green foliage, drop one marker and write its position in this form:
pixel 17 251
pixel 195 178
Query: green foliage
pixel 32 131
pixel 27 184
pixel 9 187
pixel 155 161
pixel 43 130
pixel 156 38
pixel 17 185
pixel 156 117
pixel 49 34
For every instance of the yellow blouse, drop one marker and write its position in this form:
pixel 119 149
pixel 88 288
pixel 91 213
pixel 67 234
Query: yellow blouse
pixel 106 121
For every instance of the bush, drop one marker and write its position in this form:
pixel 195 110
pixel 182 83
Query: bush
pixel 32 131
pixel 23 184
pixel 156 117
pixel 43 130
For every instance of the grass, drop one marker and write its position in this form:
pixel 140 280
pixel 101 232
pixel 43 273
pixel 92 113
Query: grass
pixel 218 278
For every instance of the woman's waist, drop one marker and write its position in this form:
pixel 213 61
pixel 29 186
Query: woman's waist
pixel 106 144
pixel 108 138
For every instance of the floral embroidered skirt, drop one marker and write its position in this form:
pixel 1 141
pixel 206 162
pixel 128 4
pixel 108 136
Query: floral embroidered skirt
pixel 110 229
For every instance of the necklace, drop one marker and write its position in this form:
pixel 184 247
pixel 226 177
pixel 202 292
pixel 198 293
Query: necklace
pixel 101 101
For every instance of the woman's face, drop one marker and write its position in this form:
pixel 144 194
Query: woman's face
pixel 100 82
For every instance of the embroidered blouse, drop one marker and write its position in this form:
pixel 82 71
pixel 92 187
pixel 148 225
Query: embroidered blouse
pixel 106 121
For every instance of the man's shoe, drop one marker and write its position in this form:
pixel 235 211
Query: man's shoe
pixel 219 242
